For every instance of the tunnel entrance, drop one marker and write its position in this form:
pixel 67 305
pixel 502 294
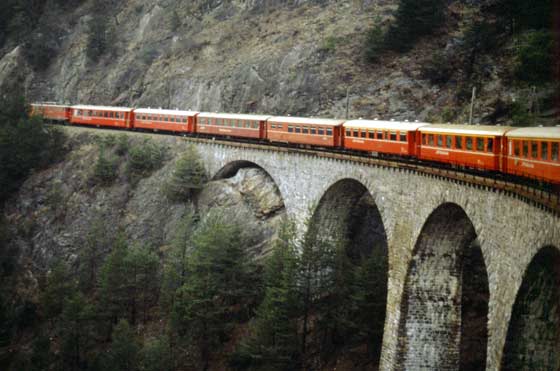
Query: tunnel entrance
pixel 444 309
pixel 533 338
pixel 348 214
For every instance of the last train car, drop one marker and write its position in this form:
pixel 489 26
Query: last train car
pixel 51 111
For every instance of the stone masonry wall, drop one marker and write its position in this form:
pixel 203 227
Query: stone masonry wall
pixel 510 231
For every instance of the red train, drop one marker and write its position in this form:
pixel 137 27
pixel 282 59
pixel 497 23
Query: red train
pixel 527 152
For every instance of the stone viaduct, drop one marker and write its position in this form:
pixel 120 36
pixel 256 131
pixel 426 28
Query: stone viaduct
pixel 472 274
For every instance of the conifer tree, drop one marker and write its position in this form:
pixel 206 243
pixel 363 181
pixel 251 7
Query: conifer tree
pixel 143 281
pixel 274 342
pixel 74 331
pixel 58 288
pixel 188 177
pixel 220 290
pixel 414 19
pixel 124 352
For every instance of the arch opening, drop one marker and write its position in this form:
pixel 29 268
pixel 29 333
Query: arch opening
pixel 533 337
pixel 347 214
pixel 245 193
pixel 444 310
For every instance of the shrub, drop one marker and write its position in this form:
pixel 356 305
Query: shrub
pixel 189 176
pixel 438 70
pixel 122 145
pixel 534 57
pixel 143 159
pixel 105 170
pixel 374 42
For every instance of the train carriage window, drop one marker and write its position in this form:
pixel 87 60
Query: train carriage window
pixel 313 131
pixel 448 141
pixel 490 145
pixel 534 150
pixel 255 125
pixel 403 137
pixel 166 119
pixel 321 131
pixel 525 148
pixel 393 136
pixel 329 132
pixel 459 142
pixel 185 120
pixel 273 126
pixel 362 133
pixel 348 132
pixel 290 129
pixel 469 143
pixel 544 150
pixel 371 134
pixel 439 140
pixel 355 133
pixel 298 129
pixel 431 139
pixel 554 151
pixel 305 130
pixel 480 144
pixel 516 147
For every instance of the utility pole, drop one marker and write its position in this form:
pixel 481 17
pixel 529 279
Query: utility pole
pixel 347 99
pixel 472 104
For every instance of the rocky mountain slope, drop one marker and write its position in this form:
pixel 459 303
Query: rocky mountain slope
pixel 57 208
pixel 269 56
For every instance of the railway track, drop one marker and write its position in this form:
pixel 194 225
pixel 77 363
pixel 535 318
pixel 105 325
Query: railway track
pixel 527 192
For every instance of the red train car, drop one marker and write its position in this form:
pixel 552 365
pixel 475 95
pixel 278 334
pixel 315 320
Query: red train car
pixel 534 153
pixel 121 117
pixel 165 120
pixel 391 137
pixel 232 125
pixel 302 130
pixel 475 146
pixel 51 111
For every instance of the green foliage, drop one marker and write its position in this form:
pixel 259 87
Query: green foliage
pixel 144 159
pixel 97 33
pixel 374 42
pixel 58 288
pixel 95 244
pixel 437 70
pixel 274 342
pixel 75 331
pixel 517 15
pixel 25 144
pixel 188 177
pixel 122 145
pixel 176 263
pixel 413 20
pixel 124 352
pixel 520 114
pixel 221 289
pixel 156 355
pixel 534 57
pixel 106 168
pixel 329 44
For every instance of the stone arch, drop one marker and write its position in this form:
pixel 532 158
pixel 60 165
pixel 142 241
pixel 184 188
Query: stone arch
pixel 348 211
pixel 444 309
pixel 533 337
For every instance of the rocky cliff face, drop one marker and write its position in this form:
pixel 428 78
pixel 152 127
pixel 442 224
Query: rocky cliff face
pixel 299 57
pixel 57 208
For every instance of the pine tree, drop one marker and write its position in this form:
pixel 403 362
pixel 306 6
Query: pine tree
pixel 58 288
pixel 124 352
pixel 90 257
pixel 156 355
pixel 274 341
pixel 188 177
pixel 143 282
pixel 413 20
pixel 221 287
pixel 113 282
pixel 74 332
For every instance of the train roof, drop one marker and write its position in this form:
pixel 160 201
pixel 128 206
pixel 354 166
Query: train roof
pixel 552 132
pixel 49 104
pixel 234 116
pixel 379 124
pixel 153 111
pixel 465 129
pixel 306 120
pixel 103 108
